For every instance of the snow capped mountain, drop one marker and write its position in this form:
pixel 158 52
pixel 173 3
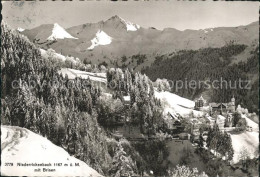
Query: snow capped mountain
pixel 130 39
pixel 129 25
pixel 20 29
pixel 101 39
pixel 59 33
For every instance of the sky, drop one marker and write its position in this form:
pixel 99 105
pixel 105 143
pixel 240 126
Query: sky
pixel 164 14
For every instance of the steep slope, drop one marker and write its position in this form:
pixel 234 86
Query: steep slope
pixel 56 118
pixel 175 104
pixel 59 33
pixel 19 145
pixel 246 140
pixel 207 65
pixel 101 38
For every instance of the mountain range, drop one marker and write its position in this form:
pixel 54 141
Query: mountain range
pixel 113 38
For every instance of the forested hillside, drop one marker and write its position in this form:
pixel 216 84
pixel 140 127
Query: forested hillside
pixel 211 64
pixel 62 114
pixel 73 113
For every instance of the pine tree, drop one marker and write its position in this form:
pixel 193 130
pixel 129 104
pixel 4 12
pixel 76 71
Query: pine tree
pixel 229 147
pixel 121 165
pixel 33 126
pixel 7 115
pixel 151 89
pixel 160 88
pixel 201 141
pixel 209 138
pixel 27 120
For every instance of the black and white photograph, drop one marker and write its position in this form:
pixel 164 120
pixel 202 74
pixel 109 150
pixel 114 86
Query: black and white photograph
pixel 130 88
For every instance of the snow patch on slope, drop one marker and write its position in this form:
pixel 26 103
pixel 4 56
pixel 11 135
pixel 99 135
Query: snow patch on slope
pixel 72 74
pixel 207 30
pixel 20 29
pixel 20 145
pixel 247 140
pixel 176 104
pixel 174 99
pixel 130 26
pixel 251 123
pixel 59 33
pixel 101 39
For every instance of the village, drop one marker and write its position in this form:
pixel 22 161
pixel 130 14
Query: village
pixel 184 120
pixel 145 89
pixel 221 114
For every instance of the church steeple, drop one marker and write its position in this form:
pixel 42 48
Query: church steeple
pixel 233 99
pixel 233 104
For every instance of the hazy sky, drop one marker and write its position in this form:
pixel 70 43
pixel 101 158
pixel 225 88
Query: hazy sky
pixel 175 14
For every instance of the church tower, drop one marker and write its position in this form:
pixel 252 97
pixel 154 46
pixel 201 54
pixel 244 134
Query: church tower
pixel 233 104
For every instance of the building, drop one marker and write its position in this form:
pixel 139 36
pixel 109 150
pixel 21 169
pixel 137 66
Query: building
pixel 127 99
pixel 220 121
pixel 229 120
pixel 200 103
pixel 223 108
pixel 173 124
pixel 209 120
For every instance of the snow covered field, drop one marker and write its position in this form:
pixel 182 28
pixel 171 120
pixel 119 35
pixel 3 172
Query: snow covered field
pixel 89 73
pixel 19 145
pixel 247 140
pixel 176 104
pixel 251 123
pixel 72 74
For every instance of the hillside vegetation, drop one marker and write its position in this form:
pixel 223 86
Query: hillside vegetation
pixel 211 64
pixel 63 114
pixel 73 114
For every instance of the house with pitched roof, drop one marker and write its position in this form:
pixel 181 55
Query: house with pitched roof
pixel 221 108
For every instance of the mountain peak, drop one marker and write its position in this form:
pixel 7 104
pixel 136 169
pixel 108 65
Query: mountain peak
pixel 115 17
pixel 129 25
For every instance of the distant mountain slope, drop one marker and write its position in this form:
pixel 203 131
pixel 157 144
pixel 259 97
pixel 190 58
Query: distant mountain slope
pixel 211 64
pixel 20 145
pixel 47 32
pixel 130 39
